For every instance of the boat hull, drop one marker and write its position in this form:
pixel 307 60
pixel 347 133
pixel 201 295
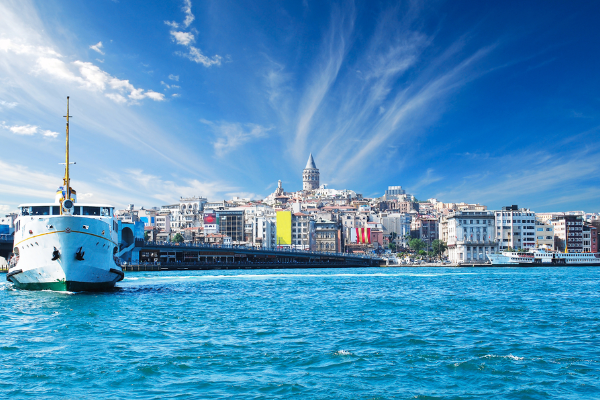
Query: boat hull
pixel 95 270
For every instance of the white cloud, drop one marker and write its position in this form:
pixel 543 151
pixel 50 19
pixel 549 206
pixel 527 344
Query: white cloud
pixel 232 135
pixel 7 104
pixel 187 9
pixel 91 77
pixel 29 130
pixel 49 133
pixel 155 95
pixel 4 207
pixel 196 55
pixel 18 47
pixel 174 77
pixel 176 95
pixel 97 47
pixel 182 38
pixel 187 38
pixel 167 86
pixel 23 129
pixel 116 97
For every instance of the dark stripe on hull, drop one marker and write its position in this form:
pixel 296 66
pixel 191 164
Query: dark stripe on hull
pixel 68 286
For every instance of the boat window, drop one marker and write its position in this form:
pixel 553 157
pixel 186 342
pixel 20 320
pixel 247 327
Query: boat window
pixel 40 210
pixel 105 212
pixel 24 210
pixel 55 210
pixel 76 210
pixel 91 211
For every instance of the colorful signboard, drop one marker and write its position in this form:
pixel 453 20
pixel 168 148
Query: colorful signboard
pixel 284 228
pixel 210 222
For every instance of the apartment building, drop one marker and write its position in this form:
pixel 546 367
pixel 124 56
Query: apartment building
pixel 515 228
pixel 568 233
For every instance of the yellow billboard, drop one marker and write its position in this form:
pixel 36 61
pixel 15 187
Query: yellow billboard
pixel 284 228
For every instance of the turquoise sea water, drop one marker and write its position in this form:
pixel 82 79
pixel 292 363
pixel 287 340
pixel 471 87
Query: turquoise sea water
pixel 389 333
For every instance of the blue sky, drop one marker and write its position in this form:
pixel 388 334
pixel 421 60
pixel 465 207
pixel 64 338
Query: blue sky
pixel 489 102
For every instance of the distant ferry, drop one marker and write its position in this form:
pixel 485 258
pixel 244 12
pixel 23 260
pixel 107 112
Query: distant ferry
pixel 542 257
pixel 65 245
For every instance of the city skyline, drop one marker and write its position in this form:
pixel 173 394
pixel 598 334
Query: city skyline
pixel 489 104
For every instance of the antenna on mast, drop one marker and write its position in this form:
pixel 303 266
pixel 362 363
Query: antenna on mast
pixel 67 180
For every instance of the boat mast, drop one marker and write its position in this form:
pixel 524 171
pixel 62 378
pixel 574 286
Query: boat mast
pixel 67 182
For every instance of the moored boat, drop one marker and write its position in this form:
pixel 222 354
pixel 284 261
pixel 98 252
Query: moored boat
pixel 65 245
pixel 543 257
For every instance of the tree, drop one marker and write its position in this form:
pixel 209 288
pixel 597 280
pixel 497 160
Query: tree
pixel 417 244
pixel 146 236
pixel 438 247
pixel 392 246
pixel 178 238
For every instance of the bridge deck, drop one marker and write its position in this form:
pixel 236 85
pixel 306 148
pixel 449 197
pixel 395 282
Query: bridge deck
pixel 171 252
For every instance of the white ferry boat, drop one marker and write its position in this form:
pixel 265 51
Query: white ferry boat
pixel 542 257
pixel 65 245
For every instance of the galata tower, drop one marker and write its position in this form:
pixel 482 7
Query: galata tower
pixel 310 175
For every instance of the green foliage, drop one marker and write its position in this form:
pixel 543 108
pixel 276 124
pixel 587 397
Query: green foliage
pixel 422 253
pixel 146 236
pixel 416 244
pixel 438 247
pixel 178 238
pixel 392 246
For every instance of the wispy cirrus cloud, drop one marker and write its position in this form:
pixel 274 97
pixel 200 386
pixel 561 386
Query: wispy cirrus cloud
pixel 186 39
pixel 167 191
pixel 97 48
pixel 538 176
pixel 357 110
pixel 230 136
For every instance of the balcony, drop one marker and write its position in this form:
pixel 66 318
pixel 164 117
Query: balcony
pixel 473 242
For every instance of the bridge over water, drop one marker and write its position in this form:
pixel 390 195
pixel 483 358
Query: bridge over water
pixel 173 256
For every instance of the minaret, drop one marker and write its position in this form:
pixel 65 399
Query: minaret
pixel 310 175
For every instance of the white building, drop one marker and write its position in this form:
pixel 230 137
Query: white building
pixel 515 228
pixel 469 236
pixel 264 232
pixel 544 234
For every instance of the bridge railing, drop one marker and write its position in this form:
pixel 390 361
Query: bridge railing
pixel 233 247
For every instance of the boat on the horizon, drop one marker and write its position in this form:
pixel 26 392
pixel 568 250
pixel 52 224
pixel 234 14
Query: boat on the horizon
pixel 65 245
pixel 543 257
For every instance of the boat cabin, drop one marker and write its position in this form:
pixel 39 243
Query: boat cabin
pixel 97 210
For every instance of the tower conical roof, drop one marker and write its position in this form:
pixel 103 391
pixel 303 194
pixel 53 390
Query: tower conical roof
pixel 310 163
